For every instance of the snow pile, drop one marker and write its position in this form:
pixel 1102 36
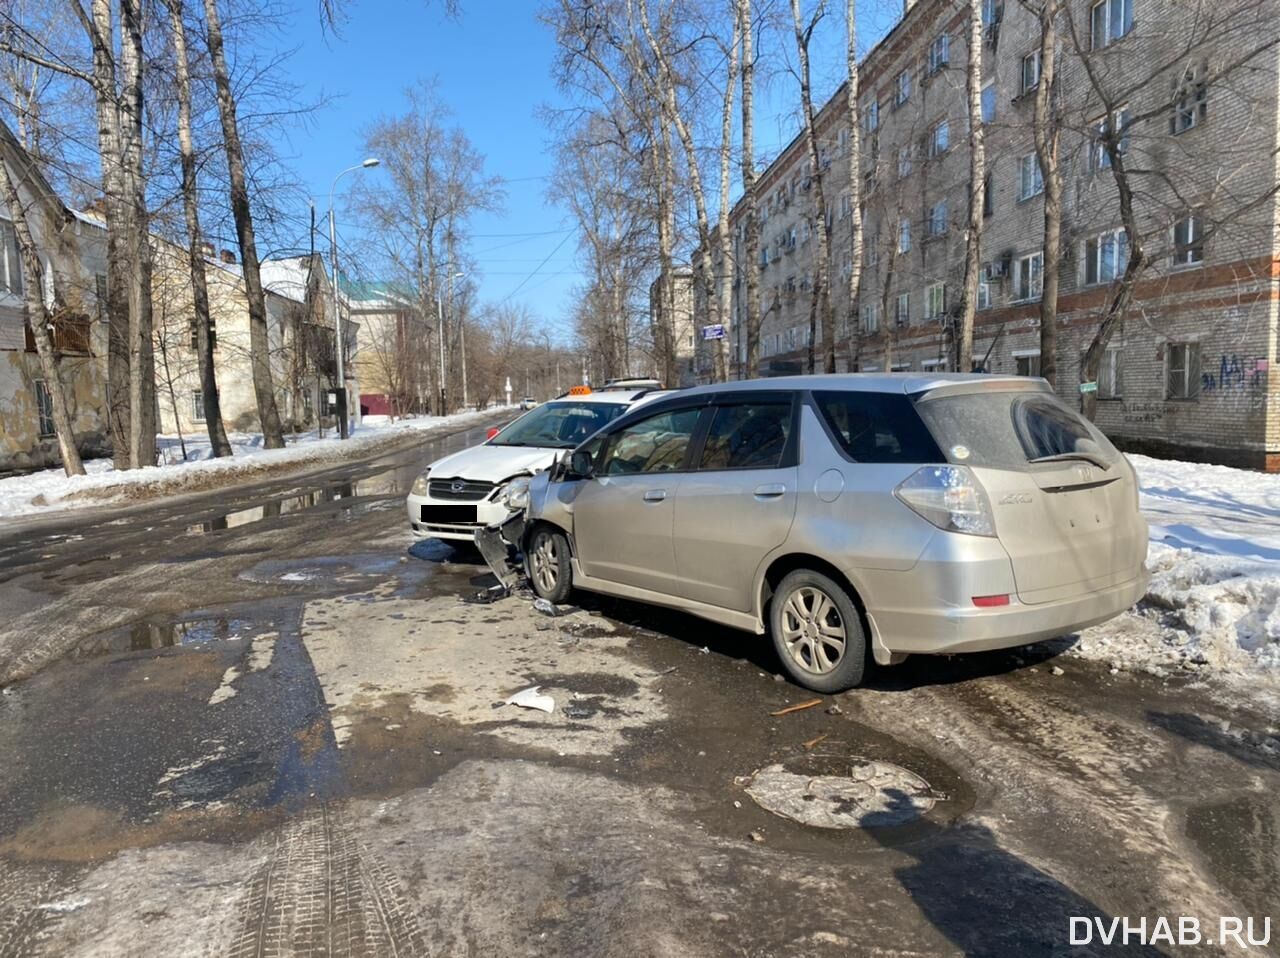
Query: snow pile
pixel 52 489
pixel 1214 598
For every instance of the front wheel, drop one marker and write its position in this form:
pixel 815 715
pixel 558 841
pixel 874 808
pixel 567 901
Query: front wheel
pixel 547 561
pixel 817 632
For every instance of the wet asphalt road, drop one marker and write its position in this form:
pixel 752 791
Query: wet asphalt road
pixel 264 722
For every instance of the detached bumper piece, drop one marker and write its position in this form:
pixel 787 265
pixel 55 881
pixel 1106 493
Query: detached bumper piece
pixel 496 542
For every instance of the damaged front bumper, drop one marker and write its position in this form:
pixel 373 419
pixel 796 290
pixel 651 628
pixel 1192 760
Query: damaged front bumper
pixel 496 543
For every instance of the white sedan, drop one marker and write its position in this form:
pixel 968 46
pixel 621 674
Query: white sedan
pixel 466 491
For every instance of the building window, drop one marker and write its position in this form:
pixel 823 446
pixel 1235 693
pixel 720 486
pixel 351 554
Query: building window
pixel 197 406
pixel 44 409
pixel 903 90
pixel 1027 364
pixel 195 330
pixel 940 138
pixel 939 53
pixel 990 12
pixel 904 236
pixel 989 103
pixel 936 300
pixel 1188 241
pixel 1099 155
pixel 870 116
pixel 938 218
pixel 902 309
pixel 1109 375
pixel 846 205
pixel 1182 361
pixel 871 318
pixel 988 195
pixel 1030 183
pixel 1030 71
pixel 1190 100
pixel 1105 257
pixel 904 162
pixel 1111 20
pixel 308 404
pixel 1028 279
pixel 984 287
pixel 11 267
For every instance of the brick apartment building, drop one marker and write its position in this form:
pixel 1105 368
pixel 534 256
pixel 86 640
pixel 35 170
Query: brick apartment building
pixel 1189 372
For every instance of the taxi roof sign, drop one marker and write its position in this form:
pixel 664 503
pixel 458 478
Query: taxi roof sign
pixel 579 390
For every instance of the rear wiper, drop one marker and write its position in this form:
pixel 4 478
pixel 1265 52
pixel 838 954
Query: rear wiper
pixel 1070 456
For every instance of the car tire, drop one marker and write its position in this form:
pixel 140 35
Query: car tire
pixel 817 632
pixel 547 564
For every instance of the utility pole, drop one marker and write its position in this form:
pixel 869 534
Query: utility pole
pixel 440 318
pixel 338 346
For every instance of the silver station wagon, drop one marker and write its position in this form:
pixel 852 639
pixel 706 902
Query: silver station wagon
pixel 849 516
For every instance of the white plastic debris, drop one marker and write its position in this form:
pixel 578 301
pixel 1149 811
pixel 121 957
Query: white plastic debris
pixel 545 607
pixel 532 699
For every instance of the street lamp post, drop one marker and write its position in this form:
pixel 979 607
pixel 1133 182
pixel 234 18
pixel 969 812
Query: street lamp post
pixel 338 346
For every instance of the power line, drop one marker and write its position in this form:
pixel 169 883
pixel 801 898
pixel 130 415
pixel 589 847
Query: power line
pixel 536 269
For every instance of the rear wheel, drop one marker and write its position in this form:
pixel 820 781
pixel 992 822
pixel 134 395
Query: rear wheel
pixel 547 561
pixel 817 632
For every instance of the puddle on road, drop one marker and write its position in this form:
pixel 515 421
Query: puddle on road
pixel 300 502
pixel 165 634
pixel 843 792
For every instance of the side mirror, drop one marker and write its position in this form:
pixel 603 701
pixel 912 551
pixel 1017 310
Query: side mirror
pixel 580 466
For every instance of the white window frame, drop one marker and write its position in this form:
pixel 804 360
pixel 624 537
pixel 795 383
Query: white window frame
pixel 871 115
pixel 1030 181
pixel 197 405
pixel 1110 380
pixel 939 53
pixel 937 225
pixel 902 309
pixel 939 138
pixel 1028 282
pixel 1108 8
pixel 871 317
pixel 1027 354
pixel 1189 252
pixel 44 410
pixel 1027 85
pixel 1099 157
pixel 11 277
pixel 984 287
pixel 1104 257
pixel 1189 388
pixel 902 88
pixel 1190 102
pixel 935 300
pixel 904 236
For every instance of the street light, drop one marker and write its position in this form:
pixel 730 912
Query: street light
pixel 337 313
pixel 462 330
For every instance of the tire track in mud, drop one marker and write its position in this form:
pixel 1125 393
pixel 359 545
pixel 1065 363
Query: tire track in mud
pixel 1049 756
pixel 320 893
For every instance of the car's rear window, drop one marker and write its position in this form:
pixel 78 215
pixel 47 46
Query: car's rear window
pixel 1010 428
pixel 877 427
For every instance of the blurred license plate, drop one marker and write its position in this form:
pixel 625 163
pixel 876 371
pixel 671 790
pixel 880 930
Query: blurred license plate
pixel 448 514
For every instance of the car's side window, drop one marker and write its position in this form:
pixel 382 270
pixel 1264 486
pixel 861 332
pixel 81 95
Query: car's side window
pixel 656 444
pixel 876 427
pixel 747 436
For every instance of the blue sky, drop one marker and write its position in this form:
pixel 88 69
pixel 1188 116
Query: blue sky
pixel 492 66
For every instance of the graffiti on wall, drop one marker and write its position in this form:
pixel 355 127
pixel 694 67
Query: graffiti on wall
pixel 1234 373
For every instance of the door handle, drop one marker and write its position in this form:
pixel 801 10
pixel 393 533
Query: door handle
pixel 655 495
pixel 771 490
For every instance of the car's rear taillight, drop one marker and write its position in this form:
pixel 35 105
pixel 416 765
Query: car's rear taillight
pixel 950 497
pixel 493 431
pixel 991 601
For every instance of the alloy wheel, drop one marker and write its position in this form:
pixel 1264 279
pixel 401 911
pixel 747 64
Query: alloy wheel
pixel 546 564
pixel 813 631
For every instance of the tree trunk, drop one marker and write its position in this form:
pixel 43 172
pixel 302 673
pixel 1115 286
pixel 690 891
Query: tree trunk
pixel 977 189
pixel 99 28
pixel 724 274
pixel 665 333
pixel 1046 136
pixel 34 303
pixel 855 182
pixel 819 304
pixel 199 282
pixel 142 372
pixel 259 339
pixel 751 257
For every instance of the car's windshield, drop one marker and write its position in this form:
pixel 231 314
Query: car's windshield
pixel 559 425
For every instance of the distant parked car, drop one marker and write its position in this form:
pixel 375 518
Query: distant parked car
pixel 850 516
pixel 527 403
pixel 633 383
pixel 467 490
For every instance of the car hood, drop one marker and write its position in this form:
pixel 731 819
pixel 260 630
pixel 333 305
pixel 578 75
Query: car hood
pixel 488 463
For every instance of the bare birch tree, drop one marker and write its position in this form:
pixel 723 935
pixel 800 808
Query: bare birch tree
pixel 976 191
pixel 1047 130
pixel 750 264
pixel 853 112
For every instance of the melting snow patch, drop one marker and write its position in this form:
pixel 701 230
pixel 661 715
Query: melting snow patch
pixel 67 904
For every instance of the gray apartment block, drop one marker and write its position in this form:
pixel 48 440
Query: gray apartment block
pixel 1193 86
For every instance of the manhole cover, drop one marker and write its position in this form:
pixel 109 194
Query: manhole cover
pixel 871 795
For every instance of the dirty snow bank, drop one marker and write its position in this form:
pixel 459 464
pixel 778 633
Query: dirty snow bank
pixel 1214 598
pixel 50 489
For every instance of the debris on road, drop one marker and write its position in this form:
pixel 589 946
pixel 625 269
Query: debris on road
pixel 757 836
pixel 1057 670
pixel 873 794
pixel 835 710
pixel 797 708
pixel 809 745
pixel 532 698
pixel 545 607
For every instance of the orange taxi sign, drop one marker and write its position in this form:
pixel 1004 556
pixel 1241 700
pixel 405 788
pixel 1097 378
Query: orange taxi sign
pixel 579 390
